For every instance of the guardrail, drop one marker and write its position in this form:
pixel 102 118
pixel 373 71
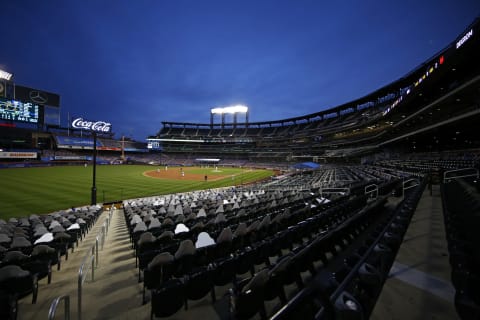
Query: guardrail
pixel 474 173
pixel 372 189
pixel 334 190
pixel 53 307
pixel 406 182
pixel 90 257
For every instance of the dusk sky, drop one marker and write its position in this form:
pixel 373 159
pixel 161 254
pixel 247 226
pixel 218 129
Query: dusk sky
pixel 137 63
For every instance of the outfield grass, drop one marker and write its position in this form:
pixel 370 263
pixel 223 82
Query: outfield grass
pixel 24 191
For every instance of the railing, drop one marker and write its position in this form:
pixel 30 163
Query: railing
pixel 452 173
pixel 101 236
pixel 406 182
pixel 334 190
pixel 90 258
pixel 376 242
pixel 372 189
pixel 332 184
pixel 82 274
pixel 328 307
pixel 53 307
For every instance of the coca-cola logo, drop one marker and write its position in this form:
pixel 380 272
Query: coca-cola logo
pixel 99 126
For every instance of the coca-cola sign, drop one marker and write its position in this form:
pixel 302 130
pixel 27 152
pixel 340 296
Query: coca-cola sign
pixel 98 126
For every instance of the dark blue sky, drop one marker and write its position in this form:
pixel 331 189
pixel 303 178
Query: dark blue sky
pixel 137 63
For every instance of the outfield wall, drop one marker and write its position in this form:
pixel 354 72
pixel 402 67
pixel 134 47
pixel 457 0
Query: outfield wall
pixel 32 164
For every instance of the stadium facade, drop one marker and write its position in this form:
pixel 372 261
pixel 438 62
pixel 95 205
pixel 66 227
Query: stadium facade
pixel 420 112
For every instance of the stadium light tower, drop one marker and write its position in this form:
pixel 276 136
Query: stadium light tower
pixel 229 110
pixel 5 75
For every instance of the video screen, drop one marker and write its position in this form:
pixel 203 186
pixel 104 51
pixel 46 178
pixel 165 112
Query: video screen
pixel 19 111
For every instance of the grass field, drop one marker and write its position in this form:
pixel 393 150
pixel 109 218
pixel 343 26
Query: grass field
pixel 24 191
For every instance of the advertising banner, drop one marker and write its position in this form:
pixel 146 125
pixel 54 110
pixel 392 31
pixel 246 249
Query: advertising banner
pixel 18 155
pixel 36 96
pixel 97 126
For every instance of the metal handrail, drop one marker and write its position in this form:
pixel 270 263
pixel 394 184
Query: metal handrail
pixel 475 174
pixel 405 182
pixel 353 272
pixel 408 181
pixel 372 188
pixel 53 307
pixel 101 236
pixel 334 190
pixel 90 257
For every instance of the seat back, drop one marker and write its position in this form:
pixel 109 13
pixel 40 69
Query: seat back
pixel 168 299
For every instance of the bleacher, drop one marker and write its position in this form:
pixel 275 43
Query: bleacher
pixel 271 236
pixel 31 247
pixel 461 208
pixel 278 250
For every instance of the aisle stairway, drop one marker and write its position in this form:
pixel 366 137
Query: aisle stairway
pixel 419 285
pixel 115 292
pixel 114 284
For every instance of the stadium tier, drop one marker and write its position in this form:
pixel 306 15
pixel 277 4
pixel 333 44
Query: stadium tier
pixel 422 111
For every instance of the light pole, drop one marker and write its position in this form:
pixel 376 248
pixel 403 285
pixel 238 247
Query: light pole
pixel 93 127
pixel 94 187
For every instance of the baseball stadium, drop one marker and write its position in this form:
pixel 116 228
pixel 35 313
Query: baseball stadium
pixel 346 213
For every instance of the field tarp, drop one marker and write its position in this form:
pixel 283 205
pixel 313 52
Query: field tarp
pixel 306 165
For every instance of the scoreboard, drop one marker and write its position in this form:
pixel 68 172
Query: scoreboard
pixel 14 110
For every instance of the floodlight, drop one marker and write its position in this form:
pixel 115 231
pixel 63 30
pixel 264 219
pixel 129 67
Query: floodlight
pixel 216 110
pixel 235 109
pixel 5 75
pixel 231 109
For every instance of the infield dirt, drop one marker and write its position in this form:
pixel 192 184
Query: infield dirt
pixel 189 174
